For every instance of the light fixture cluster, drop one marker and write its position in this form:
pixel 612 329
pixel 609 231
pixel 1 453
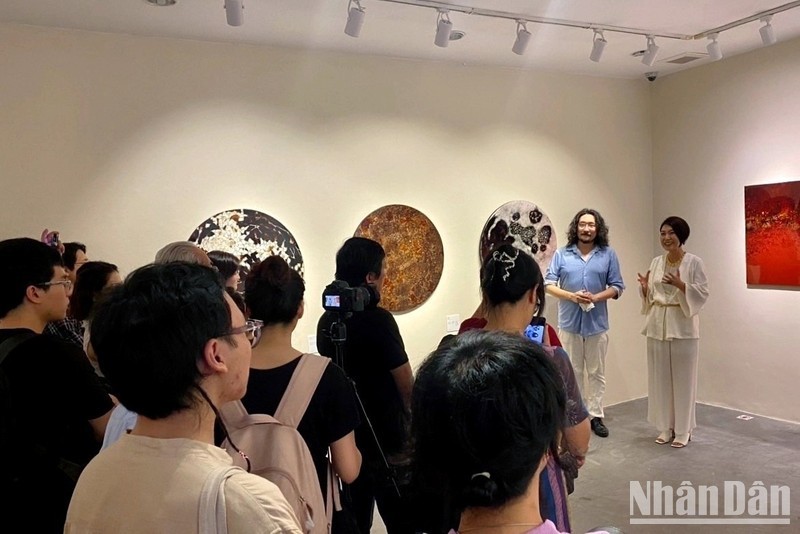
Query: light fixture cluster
pixel 444 27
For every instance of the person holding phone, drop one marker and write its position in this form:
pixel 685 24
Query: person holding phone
pixel 673 292
pixel 513 297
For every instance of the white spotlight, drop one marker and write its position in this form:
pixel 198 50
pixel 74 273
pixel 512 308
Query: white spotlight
pixel 234 11
pixel 355 19
pixel 766 31
pixel 523 37
pixel 443 29
pixel 714 51
pixel 598 45
pixel 650 54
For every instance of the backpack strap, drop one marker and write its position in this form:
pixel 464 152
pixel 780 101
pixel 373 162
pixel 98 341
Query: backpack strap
pixel 301 388
pixel 211 513
pixel 12 343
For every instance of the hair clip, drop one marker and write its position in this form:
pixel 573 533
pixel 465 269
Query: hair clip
pixel 481 474
pixel 507 260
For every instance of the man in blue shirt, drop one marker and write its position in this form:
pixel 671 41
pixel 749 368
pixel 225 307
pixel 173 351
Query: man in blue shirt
pixel 584 275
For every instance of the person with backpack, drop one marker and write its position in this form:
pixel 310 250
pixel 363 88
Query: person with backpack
pixel 53 407
pixel 274 295
pixel 174 348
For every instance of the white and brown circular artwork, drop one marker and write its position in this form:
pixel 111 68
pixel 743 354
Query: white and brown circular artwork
pixel 250 235
pixel 414 254
pixel 525 226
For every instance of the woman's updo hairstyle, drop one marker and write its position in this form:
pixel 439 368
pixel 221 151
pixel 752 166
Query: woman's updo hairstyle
pixel 507 274
pixel 273 291
pixel 486 408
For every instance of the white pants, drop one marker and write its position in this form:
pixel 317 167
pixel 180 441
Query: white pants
pixel 588 356
pixel 672 384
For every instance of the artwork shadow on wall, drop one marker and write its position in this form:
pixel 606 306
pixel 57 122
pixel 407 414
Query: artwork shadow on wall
pixel 772 235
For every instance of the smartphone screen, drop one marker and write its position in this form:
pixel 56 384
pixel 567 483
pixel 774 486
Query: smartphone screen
pixel 535 332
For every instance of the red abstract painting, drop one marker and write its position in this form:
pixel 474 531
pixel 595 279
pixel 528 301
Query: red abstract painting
pixel 772 234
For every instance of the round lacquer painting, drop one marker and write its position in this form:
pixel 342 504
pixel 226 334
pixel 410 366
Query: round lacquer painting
pixel 525 226
pixel 250 235
pixel 414 254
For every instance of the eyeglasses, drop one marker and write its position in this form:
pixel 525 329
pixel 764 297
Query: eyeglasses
pixel 251 328
pixel 66 283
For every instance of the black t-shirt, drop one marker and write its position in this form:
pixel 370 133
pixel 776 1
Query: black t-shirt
pixel 372 349
pixel 54 392
pixel 331 414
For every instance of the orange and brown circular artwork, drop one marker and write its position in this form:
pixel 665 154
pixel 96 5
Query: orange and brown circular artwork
pixel 414 254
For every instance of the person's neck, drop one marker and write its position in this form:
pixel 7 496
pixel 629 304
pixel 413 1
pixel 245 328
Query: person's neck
pixel 191 423
pixel 274 348
pixel 23 317
pixel 585 248
pixel 506 318
pixel 675 255
pixel 515 517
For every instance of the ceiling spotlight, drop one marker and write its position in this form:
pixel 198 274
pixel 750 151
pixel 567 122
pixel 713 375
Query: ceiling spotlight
pixel 234 11
pixel 766 31
pixel 650 54
pixel 443 29
pixel 598 45
pixel 523 36
pixel 162 3
pixel 355 18
pixel 714 51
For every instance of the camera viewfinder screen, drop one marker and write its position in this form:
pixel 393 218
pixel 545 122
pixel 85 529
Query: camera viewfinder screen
pixel 332 301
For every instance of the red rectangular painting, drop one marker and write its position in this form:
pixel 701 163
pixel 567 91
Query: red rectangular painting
pixel 772 234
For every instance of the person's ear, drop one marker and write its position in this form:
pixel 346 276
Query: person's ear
pixel 372 277
pixel 213 361
pixel 34 294
pixel 301 310
pixel 532 294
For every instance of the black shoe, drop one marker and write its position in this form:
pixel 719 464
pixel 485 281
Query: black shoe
pixel 599 428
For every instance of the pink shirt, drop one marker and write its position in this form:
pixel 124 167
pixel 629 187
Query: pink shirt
pixel 547 528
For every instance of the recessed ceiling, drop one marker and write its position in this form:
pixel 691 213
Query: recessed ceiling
pixel 396 29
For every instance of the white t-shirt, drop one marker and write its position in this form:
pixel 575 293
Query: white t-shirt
pixel 142 484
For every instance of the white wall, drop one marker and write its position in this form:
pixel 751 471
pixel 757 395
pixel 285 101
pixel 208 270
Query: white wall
pixel 716 129
pixel 127 143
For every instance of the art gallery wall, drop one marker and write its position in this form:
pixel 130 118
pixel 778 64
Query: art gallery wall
pixel 716 129
pixel 127 143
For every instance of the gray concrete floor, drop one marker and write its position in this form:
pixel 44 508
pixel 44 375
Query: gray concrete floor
pixel 722 448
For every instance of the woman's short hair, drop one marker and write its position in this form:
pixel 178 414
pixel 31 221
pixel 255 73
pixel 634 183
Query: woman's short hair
pixel 679 226
pixel 226 263
pixel 273 291
pixel 89 282
pixel 181 251
pixel 486 407
pixel 507 274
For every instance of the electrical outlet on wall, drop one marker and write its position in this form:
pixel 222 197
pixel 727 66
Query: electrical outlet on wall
pixel 312 344
pixel 453 322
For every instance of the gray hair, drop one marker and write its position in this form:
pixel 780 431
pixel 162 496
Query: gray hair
pixel 182 251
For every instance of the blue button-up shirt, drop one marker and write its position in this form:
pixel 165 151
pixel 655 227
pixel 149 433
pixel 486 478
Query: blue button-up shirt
pixel 599 271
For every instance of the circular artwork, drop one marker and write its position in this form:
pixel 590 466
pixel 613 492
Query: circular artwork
pixel 522 224
pixel 250 235
pixel 414 254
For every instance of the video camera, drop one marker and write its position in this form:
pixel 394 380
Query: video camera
pixel 338 296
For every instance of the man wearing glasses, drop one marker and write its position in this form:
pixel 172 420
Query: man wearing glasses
pixel 69 329
pixel 584 275
pixel 53 408
pixel 175 348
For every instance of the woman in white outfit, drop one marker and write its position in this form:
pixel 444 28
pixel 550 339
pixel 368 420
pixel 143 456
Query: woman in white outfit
pixel 673 292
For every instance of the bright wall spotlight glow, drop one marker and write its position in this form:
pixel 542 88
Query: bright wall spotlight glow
pixel 767 32
pixel 523 37
pixel 714 51
pixel 355 19
pixel 650 54
pixel 598 45
pixel 443 29
pixel 234 11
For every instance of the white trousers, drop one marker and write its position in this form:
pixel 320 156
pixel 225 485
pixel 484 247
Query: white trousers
pixel 672 384
pixel 588 356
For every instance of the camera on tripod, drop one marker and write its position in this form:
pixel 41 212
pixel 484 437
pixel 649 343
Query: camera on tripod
pixel 338 296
